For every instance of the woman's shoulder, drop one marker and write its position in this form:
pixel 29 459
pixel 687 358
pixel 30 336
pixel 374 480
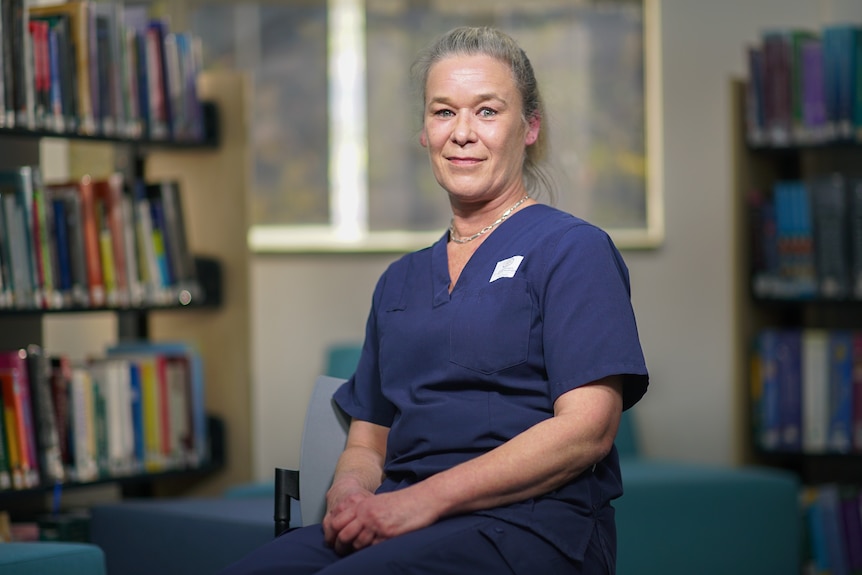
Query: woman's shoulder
pixel 555 225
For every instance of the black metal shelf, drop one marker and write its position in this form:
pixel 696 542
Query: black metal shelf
pixel 210 139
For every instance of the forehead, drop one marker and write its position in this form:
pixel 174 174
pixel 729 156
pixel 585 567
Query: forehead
pixel 464 71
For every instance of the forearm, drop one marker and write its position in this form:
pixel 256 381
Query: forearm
pixel 359 466
pixel 539 460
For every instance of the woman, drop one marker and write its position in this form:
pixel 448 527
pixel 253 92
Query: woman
pixel 495 367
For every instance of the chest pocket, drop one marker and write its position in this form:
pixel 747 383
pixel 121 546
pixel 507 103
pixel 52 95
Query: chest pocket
pixel 490 329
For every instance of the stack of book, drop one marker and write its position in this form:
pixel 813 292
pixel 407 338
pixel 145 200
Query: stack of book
pixel 97 69
pixel 806 390
pixel 807 239
pixel 804 86
pixel 138 408
pixel 92 243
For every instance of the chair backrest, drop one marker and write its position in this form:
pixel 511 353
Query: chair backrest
pixel 324 435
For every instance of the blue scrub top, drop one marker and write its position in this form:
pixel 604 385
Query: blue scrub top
pixel 541 308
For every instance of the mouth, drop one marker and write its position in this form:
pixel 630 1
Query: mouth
pixel 463 161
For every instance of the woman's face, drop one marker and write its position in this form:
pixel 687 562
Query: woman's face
pixel 474 128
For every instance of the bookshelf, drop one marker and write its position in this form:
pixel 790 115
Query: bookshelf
pixel 211 175
pixel 759 167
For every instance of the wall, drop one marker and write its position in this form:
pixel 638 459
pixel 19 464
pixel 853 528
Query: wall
pixel 683 292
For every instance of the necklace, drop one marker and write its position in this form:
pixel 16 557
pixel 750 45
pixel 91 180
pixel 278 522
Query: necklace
pixel 487 228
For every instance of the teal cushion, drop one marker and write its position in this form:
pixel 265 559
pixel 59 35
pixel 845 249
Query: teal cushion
pixel 44 558
pixel 251 489
pixel 626 440
pixel 709 520
pixel 341 359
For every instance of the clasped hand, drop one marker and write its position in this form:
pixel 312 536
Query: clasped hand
pixel 359 518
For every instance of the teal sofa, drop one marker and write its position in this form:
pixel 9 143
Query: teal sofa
pixel 50 558
pixel 683 518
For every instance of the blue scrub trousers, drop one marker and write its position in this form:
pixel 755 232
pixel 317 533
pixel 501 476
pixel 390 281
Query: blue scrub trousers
pixel 463 545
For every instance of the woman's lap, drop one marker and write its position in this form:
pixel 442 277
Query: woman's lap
pixel 464 545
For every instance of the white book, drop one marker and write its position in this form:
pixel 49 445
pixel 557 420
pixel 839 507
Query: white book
pixel 815 390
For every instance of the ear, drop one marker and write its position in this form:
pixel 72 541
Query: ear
pixel 533 127
pixel 423 138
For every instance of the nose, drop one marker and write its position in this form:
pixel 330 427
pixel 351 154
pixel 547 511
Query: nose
pixel 462 132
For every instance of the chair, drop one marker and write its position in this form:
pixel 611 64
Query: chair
pixel 324 435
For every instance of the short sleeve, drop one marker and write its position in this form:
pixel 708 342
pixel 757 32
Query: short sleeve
pixel 589 324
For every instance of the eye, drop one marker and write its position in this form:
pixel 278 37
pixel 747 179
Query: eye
pixel 487 112
pixel 444 113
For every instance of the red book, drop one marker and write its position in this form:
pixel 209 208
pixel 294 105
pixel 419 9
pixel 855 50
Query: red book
pixel 18 405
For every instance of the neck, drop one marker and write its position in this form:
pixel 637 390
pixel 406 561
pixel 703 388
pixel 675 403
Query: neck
pixel 456 237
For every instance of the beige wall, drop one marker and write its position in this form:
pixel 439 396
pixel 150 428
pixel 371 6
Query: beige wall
pixel 682 292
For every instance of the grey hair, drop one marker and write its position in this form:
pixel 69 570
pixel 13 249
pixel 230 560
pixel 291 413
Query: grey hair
pixel 487 41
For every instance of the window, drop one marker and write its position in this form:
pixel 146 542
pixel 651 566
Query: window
pixel 335 120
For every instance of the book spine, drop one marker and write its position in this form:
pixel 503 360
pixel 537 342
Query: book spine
pixel 815 389
pixel 840 389
pixel 44 416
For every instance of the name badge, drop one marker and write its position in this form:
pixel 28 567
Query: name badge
pixel 506 268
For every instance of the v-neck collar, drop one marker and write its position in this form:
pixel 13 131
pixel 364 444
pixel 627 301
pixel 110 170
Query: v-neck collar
pixel 440 259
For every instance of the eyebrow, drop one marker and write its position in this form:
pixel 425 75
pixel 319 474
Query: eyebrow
pixel 479 98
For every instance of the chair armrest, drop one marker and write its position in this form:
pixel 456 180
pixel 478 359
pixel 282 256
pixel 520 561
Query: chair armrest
pixel 286 488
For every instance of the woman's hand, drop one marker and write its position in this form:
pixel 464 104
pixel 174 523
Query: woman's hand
pixel 359 521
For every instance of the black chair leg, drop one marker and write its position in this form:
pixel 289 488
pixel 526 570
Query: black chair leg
pixel 286 488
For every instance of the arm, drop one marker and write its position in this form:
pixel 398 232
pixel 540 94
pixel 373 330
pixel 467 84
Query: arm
pixel 358 473
pixel 539 460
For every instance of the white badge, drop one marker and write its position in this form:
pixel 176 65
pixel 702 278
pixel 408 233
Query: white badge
pixel 506 268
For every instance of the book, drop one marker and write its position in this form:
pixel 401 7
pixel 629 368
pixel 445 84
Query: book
pixel 44 245
pixel 815 531
pixel 777 86
pixel 112 376
pixel 839 76
pixel 169 226
pixel 150 270
pixel 856 393
pixel 84 233
pixel 12 430
pixel 815 388
pixel 60 379
pixel 770 402
pixel 854 207
pixel 840 390
pixel 5 463
pixel 71 249
pixel 111 225
pixel 19 406
pixel 816 127
pixel 16 196
pixel 829 503
pixel 44 415
pixel 788 365
pixel 83 432
pixel 829 209
pixel 78 18
pixel 850 506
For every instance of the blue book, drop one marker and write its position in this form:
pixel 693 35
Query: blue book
pixel 770 405
pixel 789 381
pixel 829 502
pixel 839 438
pixel 839 80
pixel 61 235
pixel 137 413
